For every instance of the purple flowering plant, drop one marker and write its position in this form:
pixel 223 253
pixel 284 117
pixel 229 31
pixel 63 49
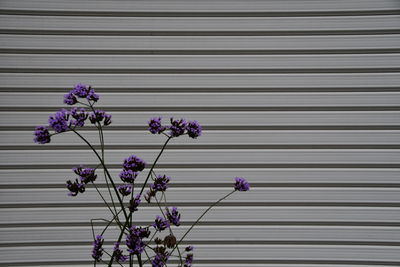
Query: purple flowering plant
pixel 123 200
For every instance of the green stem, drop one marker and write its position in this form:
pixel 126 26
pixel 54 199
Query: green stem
pixel 141 191
pixel 105 168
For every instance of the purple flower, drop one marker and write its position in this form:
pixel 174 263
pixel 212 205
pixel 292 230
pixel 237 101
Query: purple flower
pixel 188 260
pixel 75 187
pixel 155 126
pixel 59 121
pixel 125 189
pixel 193 129
pixel 79 116
pixel 81 90
pixel 241 184
pixel 86 174
pixel 177 127
pixel 174 216
pixel 134 203
pixel 97 116
pixel 118 254
pixel 92 95
pixel 42 135
pixel 128 176
pixel 70 99
pixel 134 240
pixel 159 260
pixel 189 248
pixel 160 183
pixel 160 224
pixel 107 120
pixel 97 251
pixel 134 164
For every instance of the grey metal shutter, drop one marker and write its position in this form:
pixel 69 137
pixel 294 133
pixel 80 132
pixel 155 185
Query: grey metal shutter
pixel 300 97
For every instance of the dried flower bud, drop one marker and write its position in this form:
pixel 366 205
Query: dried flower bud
pixel 170 241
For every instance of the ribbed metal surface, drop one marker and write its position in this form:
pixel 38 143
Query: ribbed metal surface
pixel 300 97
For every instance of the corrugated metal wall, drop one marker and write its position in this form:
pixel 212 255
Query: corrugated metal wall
pixel 300 97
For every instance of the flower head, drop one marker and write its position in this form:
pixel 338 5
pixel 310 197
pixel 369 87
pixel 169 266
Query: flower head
pixel 42 135
pixel 177 127
pixel 107 120
pixel 174 216
pixel 159 260
pixel 81 90
pixel 160 183
pixel 189 248
pixel 118 256
pixel 155 126
pixel 160 224
pixel 193 129
pixel 70 99
pixel 75 187
pixel 59 121
pixel 241 184
pixel 80 116
pixel 134 164
pixel 86 174
pixel 92 95
pixel 188 260
pixel 134 240
pixel 125 189
pixel 97 251
pixel 134 203
pixel 128 176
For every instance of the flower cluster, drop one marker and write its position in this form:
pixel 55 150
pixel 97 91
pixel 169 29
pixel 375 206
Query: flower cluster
pixel 118 256
pixel 241 184
pixel 65 120
pixel 69 120
pixel 177 128
pixel 82 91
pixel 86 175
pixel 174 216
pixel 97 251
pixel 134 240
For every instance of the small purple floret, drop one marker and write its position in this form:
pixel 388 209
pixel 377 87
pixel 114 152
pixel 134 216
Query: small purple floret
pixel 81 90
pixel 177 127
pixel 155 126
pixel 80 116
pixel 128 176
pixel 59 121
pixel 70 99
pixel 75 187
pixel 134 240
pixel 241 184
pixel 159 260
pixel 188 260
pixel 97 251
pixel 174 216
pixel 134 164
pixel 92 96
pixel 134 203
pixel 118 256
pixel 189 248
pixel 194 129
pixel 125 189
pixel 160 224
pixel 160 183
pixel 42 135
pixel 86 175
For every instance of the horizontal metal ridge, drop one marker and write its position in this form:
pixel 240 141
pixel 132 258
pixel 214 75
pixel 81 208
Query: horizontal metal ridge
pixel 199 33
pixel 238 70
pixel 216 166
pixel 127 13
pixel 236 147
pixel 205 204
pixel 197 51
pixel 216 242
